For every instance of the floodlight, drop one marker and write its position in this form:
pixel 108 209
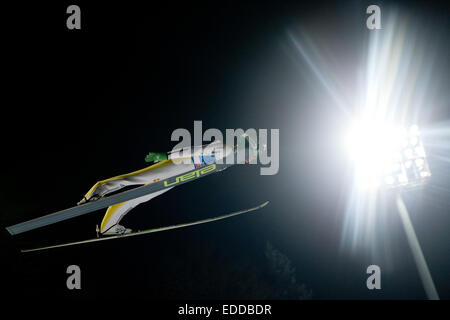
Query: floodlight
pixel 385 156
pixel 393 158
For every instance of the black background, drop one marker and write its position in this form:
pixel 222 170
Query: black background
pixel 82 105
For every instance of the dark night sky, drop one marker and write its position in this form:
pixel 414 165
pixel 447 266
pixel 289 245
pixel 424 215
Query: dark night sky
pixel 86 105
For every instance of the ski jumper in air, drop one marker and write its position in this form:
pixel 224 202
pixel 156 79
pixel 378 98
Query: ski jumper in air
pixel 165 165
pixel 167 171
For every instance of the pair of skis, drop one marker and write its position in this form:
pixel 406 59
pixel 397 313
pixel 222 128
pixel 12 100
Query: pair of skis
pixel 137 233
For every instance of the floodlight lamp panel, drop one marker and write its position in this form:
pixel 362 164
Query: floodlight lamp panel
pixel 414 130
pixel 419 162
pixel 387 156
pixel 425 174
pixel 389 180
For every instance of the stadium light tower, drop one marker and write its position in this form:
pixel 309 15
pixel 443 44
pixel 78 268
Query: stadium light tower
pixel 393 158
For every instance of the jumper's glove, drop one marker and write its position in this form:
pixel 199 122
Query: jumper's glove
pixel 155 157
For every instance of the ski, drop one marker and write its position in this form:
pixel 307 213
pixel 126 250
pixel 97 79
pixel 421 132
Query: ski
pixel 117 198
pixel 177 226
